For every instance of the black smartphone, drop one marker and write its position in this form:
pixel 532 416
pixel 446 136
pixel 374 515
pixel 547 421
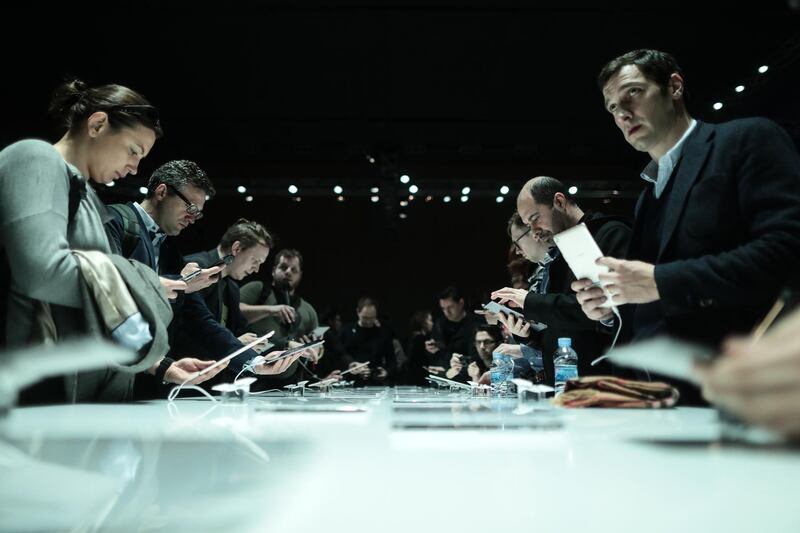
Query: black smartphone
pixel 227 260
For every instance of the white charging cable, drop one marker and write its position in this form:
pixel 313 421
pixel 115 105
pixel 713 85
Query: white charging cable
pixel 616 336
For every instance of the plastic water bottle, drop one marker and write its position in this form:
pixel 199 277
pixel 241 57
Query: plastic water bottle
pixel 502 372
pixel 565 362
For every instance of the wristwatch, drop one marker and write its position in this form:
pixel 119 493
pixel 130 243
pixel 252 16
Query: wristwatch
pixel 161 371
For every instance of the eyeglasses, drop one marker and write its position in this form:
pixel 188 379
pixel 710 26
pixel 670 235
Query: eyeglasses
pixel 144 110
pixel 191 208
pixel 516 241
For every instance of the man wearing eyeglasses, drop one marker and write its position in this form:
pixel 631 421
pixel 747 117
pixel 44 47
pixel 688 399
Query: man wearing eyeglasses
pixel 545 207
pixel 176 194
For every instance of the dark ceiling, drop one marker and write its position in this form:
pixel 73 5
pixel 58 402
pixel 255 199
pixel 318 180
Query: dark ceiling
pixel 481 93
pixel 269 93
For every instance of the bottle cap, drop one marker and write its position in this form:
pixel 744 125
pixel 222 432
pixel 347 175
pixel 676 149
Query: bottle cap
pixel 564 341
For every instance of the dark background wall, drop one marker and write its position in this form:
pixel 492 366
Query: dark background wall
pixel 480 94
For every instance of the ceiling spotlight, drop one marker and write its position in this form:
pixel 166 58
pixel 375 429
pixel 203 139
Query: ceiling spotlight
pixel 338 189
pixel 292 189
pixel 573 190
pixel 465 198
pixel 446 199
pixel 499 199
pixel 413 189
pixel 297 199
pixel 374 190
pixel 143 190
pixel 504 189
pixel 374 199
pixel 403 203
pixel 403 216
pixel 465 190
pixel 242 189
pixel 340 198
pixel 762 69
pixel 208 198
pixel 717 106
pixel 370 159
pixel 428 198
pixel 248 198
pixel 739 88
pixel 404 178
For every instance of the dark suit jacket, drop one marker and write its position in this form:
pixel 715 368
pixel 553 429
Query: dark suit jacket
pixel 562 313
pixel 202 334
pixel 731 235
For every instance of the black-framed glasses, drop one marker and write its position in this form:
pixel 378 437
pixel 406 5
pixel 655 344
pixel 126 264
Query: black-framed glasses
pixel 516 241
pixel 191 208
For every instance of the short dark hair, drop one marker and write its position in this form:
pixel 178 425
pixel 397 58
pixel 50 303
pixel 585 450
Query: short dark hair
pixel 451 293
pixel 248 233
pixel 289 253
pixel 544 189
pixel 74 101
pixel 178 174
pixel 418 319
pixel 656 66
pixel 517 221
pixel 493 331
pixel 364 301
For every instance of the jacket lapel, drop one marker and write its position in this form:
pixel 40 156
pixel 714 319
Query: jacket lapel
pixel 695 153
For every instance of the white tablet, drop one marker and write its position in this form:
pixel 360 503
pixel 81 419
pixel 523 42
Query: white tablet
pixel 231 356
pixel 580 251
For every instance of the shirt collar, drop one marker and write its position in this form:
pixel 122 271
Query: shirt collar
pixel 149 223
pixel 668 160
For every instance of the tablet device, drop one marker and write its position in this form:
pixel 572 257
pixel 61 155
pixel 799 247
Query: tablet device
pixel 231 356
pixel 319 331
pixel 227 260
pixel 663 355
pixel 580 251
pixel 293 351
pixel 496 308
pixel 449 382
pixel 356 367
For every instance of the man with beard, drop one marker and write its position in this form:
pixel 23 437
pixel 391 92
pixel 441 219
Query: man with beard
pixel 543 204
pixel 278 306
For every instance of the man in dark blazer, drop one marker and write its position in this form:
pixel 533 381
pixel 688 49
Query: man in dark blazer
pixel 213 325
pixel 717 229
pixel 545 206
pixel 176 195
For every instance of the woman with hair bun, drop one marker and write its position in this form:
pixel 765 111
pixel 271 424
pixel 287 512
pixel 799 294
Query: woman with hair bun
pixel 48 208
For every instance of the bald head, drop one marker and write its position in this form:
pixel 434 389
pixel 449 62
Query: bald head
pixel 543 204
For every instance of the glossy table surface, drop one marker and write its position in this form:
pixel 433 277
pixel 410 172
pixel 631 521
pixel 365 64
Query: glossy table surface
pixel 385 460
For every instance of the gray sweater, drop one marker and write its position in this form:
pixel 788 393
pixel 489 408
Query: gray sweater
pixel 36 238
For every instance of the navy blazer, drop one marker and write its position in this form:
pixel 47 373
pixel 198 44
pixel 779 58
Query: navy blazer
pixel 731 234
pixel 201 333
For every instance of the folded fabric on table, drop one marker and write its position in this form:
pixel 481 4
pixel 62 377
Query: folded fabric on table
pixel 608 391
